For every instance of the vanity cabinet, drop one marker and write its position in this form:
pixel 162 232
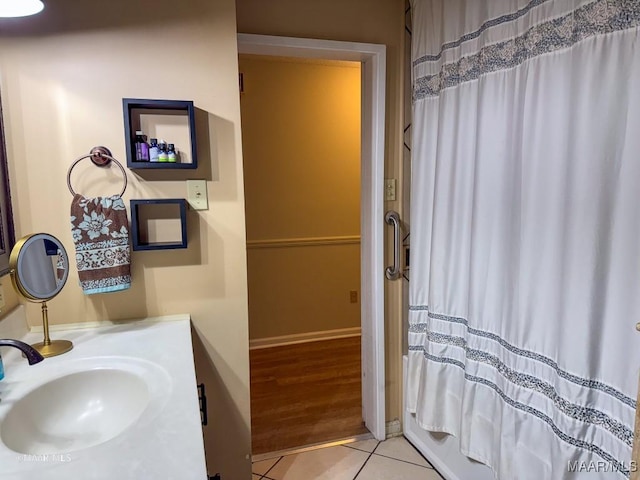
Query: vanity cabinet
pixel 6 217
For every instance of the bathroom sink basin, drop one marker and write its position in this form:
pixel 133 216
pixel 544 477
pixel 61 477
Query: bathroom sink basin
pixel 83 408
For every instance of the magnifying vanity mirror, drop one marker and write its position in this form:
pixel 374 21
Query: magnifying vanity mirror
pixel 39 269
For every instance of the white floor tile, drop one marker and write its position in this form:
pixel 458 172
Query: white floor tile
pixel 399 448
pixel 364 445
pixel 263 466
pixel 383 468
pixel 334 463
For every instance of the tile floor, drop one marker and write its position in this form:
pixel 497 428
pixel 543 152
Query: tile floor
pixel 393 459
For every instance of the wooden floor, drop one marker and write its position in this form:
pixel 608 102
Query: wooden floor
pixel 304 394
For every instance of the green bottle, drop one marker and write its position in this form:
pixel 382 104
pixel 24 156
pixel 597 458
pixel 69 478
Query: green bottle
pixel 162 154
pixel 172 156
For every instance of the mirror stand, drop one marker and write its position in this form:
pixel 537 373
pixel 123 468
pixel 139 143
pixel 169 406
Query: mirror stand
pixel 39 269
pixel 48 348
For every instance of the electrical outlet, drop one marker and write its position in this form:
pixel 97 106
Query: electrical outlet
pixel 390 189
pixel 353 296
pixel 197 194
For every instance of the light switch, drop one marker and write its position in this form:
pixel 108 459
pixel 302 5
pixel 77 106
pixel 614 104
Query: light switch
pixel 1 297
pixel 390 189
pixel 197 194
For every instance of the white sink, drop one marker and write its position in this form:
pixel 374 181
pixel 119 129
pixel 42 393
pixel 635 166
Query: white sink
pixel 123 404
pixel 86 405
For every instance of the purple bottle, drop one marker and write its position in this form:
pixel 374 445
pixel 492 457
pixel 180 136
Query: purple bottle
pixel 142 148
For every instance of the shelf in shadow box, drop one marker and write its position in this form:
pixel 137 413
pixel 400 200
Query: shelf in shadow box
pixel 159 224
pixel 170 120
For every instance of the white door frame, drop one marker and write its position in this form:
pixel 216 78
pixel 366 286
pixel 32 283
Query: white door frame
pixel 373 59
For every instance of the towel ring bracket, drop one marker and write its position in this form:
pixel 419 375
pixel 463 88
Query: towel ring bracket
pixel 101 157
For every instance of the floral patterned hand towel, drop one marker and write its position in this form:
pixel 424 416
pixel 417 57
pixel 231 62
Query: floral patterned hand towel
pixel 100 229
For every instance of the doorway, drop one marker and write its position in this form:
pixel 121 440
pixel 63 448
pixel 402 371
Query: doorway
pixel 372 61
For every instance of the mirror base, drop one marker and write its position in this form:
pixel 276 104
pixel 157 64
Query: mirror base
pixel 56 347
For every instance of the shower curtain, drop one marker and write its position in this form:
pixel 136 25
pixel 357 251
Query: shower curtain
pixel 525 242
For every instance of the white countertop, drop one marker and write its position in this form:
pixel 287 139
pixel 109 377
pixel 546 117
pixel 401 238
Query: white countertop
pixel 165 443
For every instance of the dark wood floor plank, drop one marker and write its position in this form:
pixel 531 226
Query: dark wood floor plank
pixel 304 394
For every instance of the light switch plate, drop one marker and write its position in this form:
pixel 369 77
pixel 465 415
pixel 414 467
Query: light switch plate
pixel 390 189
pixel 197 194
pixel 353 296
pixel 1 297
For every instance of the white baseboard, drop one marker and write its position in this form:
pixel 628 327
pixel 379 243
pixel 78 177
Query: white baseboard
pixel 280 341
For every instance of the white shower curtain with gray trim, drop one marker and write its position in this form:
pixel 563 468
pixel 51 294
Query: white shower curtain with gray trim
pixel 525 216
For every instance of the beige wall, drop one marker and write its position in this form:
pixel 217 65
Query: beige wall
pixel 11 300
pixel 63 75
pixel 369 21
pixel 301 147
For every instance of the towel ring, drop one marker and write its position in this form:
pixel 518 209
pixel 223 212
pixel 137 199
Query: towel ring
pixel 101 157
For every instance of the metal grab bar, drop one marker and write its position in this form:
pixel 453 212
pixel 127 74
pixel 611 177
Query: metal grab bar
pixel 393 218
